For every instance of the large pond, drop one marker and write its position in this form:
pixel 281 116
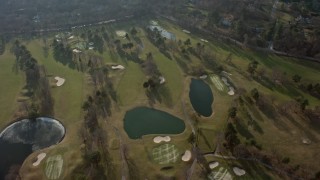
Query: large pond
pixel 143 121
pixel 201 97
pixel 20 139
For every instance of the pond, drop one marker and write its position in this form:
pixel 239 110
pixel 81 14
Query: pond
pixel 143 121
pixel 20 139
pixel 201 97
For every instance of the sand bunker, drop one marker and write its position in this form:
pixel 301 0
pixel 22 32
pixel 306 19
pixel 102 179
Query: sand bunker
pixel 203 40
pixel 187 156
pixel 213 165
pixel 203 77
pixel 306 141
pixel 238 171
pixel 117 67
pixel 60 81
pixel 162 80
pixel 76 51
pixel 40 158
pixel 186 31
pixel 71 37
pixel 159 139
pixel 121 33
pixel 231 91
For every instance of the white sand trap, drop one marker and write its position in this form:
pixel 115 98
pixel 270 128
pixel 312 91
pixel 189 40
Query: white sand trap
pixel 187 156
pixel 121 33
pixel 238 171
pixel 162 80
pixel 159 139
pixel 155 23
pixel 71 37
pixel 213 165
pixel 306 141
pixel 40 157
pixel 225 81
pixel 186 31
pixel 91 48
pixel 60 81
pixel 203 77
pixel 76 51
pixel 231 91
pixel 203 40
pixel 120 67
pixel 54 165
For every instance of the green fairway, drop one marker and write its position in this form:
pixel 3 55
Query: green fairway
pixel 69 97
pixel 11 84
pixel 169 69
pixel 130 85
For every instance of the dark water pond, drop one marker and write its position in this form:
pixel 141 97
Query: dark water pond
pixel 201 97
pixel 20 139
pixel 143 121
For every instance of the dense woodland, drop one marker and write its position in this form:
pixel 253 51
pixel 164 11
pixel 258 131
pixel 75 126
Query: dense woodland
pixel 251 22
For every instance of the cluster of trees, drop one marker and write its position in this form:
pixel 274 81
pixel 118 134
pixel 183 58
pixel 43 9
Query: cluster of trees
pixel 250 149
pixel 312 89
pixel 25 62
pixel 156 38
pixel 96 107
pixel 151 70
pixel 98 42
pixel 231 138
pixel 63 54
pixel 36 82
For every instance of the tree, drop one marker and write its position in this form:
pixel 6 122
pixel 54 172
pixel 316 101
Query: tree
pixel 231 137
pixel 252 67
pixel 232 112
pixel 33 112
pixel 296 78
pixel 187 42
pixel 255 94
pixel 133 31
pixel 127 36
pixel 146 85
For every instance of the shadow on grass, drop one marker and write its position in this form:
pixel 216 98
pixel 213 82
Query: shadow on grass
pixel 242 130
pixel 307 132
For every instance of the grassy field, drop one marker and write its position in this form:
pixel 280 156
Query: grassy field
pixel 11 85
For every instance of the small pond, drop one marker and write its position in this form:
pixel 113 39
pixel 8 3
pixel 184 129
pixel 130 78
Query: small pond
pixel 20 139
pixel 143 121
pixel 201 97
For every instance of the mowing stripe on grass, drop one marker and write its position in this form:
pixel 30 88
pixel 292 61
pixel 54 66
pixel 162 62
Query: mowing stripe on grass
pixel 165 154
pixel 217 82
pixel 54 166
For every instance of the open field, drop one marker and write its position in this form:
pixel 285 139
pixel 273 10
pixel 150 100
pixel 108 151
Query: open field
pixel 11 85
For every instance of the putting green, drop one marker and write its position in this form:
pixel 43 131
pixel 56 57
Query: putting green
pixel 165 154
pixel 54 166
pixel 217 82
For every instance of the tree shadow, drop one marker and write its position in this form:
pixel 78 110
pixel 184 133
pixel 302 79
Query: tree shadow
pixel 307 132
pixel 242 130
pixel 165 95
